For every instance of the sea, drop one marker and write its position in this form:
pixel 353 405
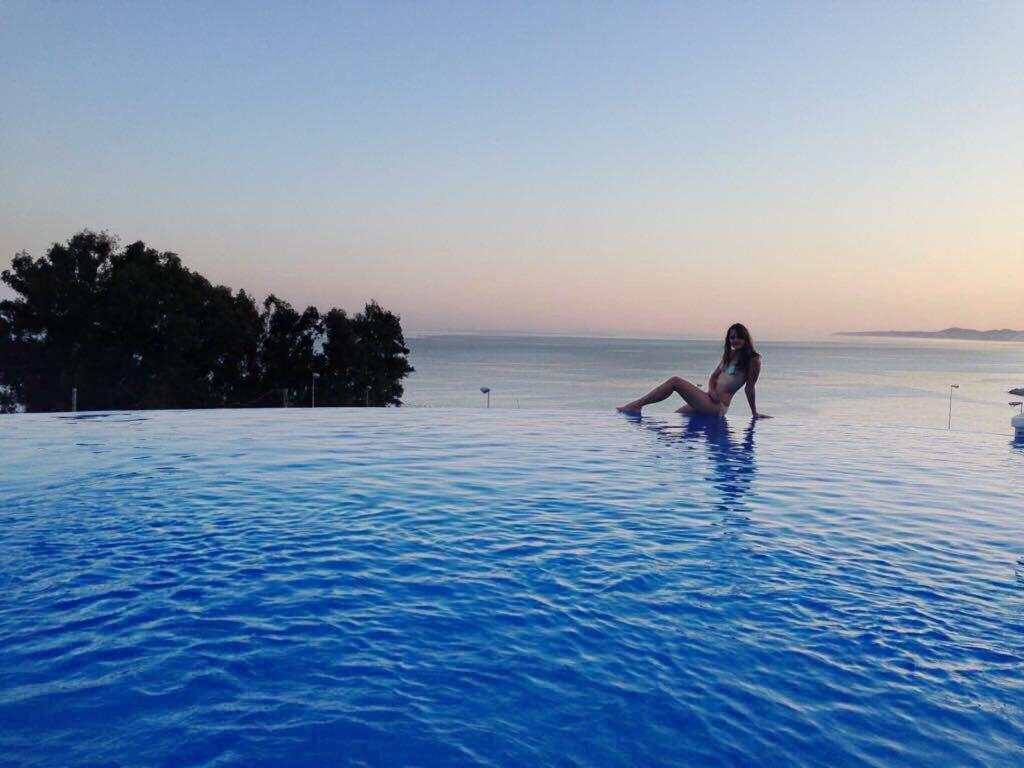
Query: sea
pixel 938 384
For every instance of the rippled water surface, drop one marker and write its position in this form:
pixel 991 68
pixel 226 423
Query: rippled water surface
pixel 431 587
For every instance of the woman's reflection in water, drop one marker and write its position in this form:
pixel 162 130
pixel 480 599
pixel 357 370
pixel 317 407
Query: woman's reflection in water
pixel 731 459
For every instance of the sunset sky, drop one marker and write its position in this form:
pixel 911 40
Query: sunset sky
pixel 635 168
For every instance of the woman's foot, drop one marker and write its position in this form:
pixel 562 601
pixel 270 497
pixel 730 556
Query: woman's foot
pixel 630 409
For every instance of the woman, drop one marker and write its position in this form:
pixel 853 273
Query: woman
pixel 740 367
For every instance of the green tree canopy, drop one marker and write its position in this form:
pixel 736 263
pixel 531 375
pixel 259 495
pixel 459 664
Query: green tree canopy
pixel 134 328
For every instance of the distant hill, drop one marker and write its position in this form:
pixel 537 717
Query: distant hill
pixel 965 334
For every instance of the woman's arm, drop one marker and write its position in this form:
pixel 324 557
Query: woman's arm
pixel 752 374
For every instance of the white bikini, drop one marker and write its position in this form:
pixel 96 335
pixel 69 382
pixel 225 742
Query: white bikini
pixel 730 370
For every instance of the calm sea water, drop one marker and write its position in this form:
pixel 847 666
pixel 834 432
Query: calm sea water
pixel 385 587
pixel 897 382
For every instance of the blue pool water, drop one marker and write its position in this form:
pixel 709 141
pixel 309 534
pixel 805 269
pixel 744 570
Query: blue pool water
pixel 498 588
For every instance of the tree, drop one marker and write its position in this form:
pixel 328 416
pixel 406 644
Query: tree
pixel 134 328
pixel 381 355
pixel 53 333
pixel 176 341
pixel 287 347
pixel 339 361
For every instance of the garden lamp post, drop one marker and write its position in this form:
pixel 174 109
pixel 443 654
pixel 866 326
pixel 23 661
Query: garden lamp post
pixel 313 402
pixel 487 391
pixel 949 419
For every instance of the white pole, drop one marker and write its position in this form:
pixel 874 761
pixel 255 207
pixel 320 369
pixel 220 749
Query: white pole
pixel 949 420
pixel 74 399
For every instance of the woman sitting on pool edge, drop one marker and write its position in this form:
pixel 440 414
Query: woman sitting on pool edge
pixel 740 365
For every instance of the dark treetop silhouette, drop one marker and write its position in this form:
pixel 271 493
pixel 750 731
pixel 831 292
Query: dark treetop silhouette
pixel 134 328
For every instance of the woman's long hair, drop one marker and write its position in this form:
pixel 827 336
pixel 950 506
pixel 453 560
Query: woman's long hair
pixel 746 353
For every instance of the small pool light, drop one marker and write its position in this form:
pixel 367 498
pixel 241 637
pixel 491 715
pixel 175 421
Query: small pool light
pixel 949 420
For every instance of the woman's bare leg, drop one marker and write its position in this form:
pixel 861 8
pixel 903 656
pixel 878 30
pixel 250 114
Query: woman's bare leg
pixel 694 396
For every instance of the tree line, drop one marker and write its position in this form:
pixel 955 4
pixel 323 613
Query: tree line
pixel 133 328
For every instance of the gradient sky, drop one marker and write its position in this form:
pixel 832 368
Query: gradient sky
pixel 656 168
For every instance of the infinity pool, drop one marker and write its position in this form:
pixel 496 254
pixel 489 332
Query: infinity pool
pixel 483 588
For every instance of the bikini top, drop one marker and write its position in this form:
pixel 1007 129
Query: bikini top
pixel 731 369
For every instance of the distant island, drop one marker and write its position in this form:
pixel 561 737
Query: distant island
pixel 964 334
